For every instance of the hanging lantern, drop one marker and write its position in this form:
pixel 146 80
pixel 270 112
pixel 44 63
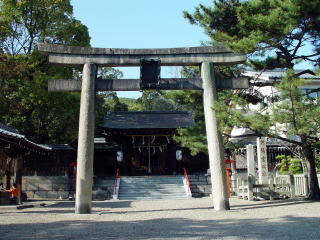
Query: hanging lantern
pixel 179 155
pixel 119 156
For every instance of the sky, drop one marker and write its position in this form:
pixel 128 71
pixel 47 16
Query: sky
pixel 140 24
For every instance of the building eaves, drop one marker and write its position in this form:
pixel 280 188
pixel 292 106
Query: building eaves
pixel 12 135
pixel 148 120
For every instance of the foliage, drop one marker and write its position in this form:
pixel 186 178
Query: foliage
pixel 193 137
pixel 294 115
pixel 113 103
pixel 288 165
pixel 277 28
pixel 109 73
pixel 107 101
pixel 26 22
pixel 152 100
pixel 274 34
pixel 25 101
pixel 296 111
pixel 131 103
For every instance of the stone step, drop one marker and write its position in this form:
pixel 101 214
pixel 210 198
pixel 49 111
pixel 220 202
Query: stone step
pixel 148 191
pixel 151 185
pixel 199 182
pixel 159 187
pixel 157 177
pixel 151 189
pixel 151 181
pixel 152 176
pixel 153 198
pixel 151 194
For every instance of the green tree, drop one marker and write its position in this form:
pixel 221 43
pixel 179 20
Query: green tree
pixel 155 101
pixel 276 32
pixel 131 103
pixel 194 137
pixel 289 165
pixel 27 22
pixel 107 101
pixel 273 29
pixel 25 101
pixel 113 103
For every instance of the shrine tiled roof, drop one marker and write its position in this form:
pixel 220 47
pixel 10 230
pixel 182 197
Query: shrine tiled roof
pixel 8 129
pixel 11 135
pixel 148 120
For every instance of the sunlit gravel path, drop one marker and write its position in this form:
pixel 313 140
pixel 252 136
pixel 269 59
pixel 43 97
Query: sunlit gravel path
pixel 163 219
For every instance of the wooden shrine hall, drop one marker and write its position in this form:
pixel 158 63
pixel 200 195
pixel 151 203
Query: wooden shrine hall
pixel 14 149
pixel 145 140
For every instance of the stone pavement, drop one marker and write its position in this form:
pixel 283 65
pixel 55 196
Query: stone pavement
pixel 163 219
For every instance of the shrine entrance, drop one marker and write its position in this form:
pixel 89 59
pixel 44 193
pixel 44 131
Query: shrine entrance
pixel 149 160
pixel 145 139
pixel 150 62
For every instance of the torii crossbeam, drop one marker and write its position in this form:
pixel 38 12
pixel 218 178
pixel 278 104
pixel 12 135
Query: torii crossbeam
pixel 91 58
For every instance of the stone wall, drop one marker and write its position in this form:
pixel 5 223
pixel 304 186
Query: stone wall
pixel 103 188
pixel 200 185
pixel 45 187
pixel 57 187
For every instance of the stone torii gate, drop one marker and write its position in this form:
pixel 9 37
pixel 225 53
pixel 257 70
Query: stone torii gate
pixel 91 58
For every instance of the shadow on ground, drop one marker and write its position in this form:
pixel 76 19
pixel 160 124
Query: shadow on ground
pixel 269 204
pixel 68 206
pixel 235 224
pixel 289 227
pixel 108 207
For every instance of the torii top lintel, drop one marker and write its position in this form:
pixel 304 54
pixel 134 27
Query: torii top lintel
pixel 116 57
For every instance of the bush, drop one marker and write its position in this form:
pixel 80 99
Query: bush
pixel 288 165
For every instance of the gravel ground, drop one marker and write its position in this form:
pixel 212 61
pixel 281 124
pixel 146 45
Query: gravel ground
pixel 163 219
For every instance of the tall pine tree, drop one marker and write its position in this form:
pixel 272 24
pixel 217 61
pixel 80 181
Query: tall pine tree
pixel 274 33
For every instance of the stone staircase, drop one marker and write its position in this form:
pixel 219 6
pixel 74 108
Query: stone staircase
pixel 151 187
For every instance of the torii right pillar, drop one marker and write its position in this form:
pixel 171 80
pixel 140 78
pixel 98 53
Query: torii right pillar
pixel 214 139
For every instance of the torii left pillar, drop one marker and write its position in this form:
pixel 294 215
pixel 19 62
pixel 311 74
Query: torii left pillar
pixel 86 140
pixel 214 139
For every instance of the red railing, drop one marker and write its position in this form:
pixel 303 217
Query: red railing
pixel 116 182
pixel 186 179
